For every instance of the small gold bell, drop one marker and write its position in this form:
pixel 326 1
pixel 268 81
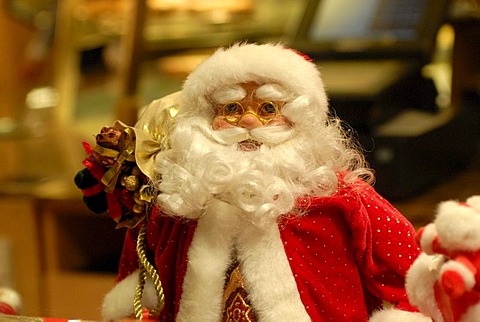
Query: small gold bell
pixel 130 182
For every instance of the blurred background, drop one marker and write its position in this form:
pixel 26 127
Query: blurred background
pixel 405 76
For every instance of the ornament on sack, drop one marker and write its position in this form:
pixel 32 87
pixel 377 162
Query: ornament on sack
pixel 112 181
pixel 444 282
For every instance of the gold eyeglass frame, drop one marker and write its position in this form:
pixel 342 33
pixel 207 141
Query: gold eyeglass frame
pixel 235 119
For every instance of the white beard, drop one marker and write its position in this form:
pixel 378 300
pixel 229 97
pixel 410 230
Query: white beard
pixel 206 165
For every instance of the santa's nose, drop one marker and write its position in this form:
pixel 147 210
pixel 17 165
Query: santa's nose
pixel 249 121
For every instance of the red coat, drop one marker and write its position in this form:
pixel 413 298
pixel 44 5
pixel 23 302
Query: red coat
pixel 346 253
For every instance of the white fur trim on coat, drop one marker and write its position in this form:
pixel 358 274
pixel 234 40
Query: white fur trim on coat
pixel 118 303
pixel 209 257
pixel 394 315
pixel 222 232
pixel 267 275
pixel 420 281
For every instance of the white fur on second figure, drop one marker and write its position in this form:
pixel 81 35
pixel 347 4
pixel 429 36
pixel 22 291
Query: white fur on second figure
pixel 444 282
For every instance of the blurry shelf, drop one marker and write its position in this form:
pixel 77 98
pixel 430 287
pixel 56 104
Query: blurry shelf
pixel 76 295
pixel 19 227
pixel 65 257
pixel 81 251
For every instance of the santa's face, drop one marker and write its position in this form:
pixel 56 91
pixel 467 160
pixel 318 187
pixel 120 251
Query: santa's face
pixel 249 106
pixel 247 154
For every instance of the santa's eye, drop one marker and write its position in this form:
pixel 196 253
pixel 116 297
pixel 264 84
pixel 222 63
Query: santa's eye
pixel 232 108
pixel 267 109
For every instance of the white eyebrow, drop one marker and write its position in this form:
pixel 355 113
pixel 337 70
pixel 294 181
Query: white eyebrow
pixel 229 94
pixel 272 92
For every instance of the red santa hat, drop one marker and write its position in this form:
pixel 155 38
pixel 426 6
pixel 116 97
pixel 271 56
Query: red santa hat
pixel 260 63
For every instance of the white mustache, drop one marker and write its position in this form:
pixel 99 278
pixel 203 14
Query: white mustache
pixel 270 135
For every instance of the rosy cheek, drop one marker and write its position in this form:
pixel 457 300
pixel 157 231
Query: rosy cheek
pixel 219 123
pixel 280 120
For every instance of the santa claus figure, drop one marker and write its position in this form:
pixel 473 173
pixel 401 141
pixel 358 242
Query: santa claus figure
pixel 262 208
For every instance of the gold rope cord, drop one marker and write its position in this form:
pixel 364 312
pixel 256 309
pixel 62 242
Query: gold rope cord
pixel 146 267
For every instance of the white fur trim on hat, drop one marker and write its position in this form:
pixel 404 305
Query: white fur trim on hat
pixel 394 315
pixel 252 62
pixel 457 226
